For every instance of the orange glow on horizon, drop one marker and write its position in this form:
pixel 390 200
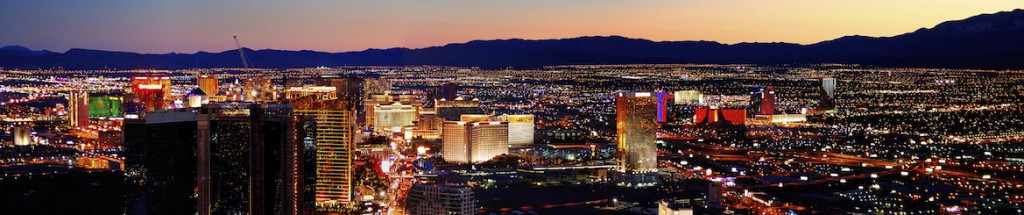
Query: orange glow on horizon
pixel 187 27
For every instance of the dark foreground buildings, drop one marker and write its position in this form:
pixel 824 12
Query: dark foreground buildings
pixel 223 158
pixel 161 159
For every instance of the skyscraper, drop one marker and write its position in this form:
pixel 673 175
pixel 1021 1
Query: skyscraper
pixel 249 162
pixel 829 84
pixel 208 83
pixel 521 128
pixel 335 135
pixel 768 101
pixel 147 94
pixel 78 108
pixel 762 100
pixel 163 83
pixel 433 199
pixel 349 88
pixel 306 135
pixel 636 130
pixel 827 94
pixel 161 160
pixel 222 158
pixel 473 142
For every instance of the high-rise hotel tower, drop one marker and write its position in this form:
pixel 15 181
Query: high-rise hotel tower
pixel 637 131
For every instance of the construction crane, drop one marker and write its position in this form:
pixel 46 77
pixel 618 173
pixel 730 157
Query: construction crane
pixel 241 53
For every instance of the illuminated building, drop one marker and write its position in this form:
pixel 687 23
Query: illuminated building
pixel 520 129
pixel 258 89
pixel 164 84
pixel 249 161
pixel 433 199
pixel 715 116
pixel 335 136
pixel 391 116
pixel 20 132
pixel 827 94
pixel 161 159
pixel 473 142
pixel 197 98
pixel 762 100
pixel 348 88
pixel 398 107
pixel 450 90
pixel 475 117
pixel 688 97
pixel 520 126
pixel 150 98
pixel 663 102
pixel 768 101
pixel 457 102
pixel 788 118
pixel 147 94
pixel 636 130
pixel 105 107
pixel 666 207
pixel 320 92
pixel 829 84
pixel 208 83
pixel 78 109
pixel 428 125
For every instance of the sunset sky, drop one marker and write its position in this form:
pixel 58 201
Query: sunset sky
pixel 336 26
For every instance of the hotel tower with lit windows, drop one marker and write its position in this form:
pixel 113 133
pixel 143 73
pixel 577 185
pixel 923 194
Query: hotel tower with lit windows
pixel 636 129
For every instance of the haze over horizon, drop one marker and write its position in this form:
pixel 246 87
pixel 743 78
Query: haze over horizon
pixel 188 27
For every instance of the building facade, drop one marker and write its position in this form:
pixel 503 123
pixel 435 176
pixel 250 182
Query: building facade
pixel 335 136
pixel 473 142
pixel 434 199
pixel 208 83
pixel 320 92
pixel 161 160
pixel 636 130
pixel 249 160
pixel 78 109
pixel 396 111
pixel 521 129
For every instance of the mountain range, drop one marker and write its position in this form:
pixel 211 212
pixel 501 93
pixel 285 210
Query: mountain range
pixel 987 41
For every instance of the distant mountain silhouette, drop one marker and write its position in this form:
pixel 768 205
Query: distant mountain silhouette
pixel 988 41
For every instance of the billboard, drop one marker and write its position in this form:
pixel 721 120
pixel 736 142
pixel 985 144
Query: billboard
pixel 105 106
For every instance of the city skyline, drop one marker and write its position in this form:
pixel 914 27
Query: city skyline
pixel 188 27
pixel 602 107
